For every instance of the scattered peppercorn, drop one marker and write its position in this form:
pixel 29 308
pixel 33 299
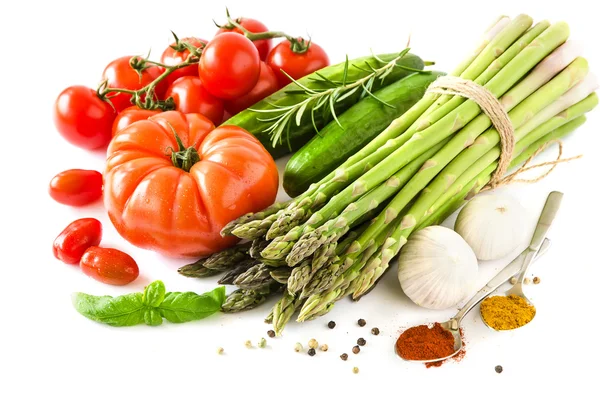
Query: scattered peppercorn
pixel 356 350
pixel 513 280
pixel 324 348
pixel 313 344
pixel 361 341
pixel 248 344
pixel 220 350
pixel 375 331
pixel 331 324
pixel 262 343
pixel 311 352
pixel 355 370
pixel 362 322
pixel 536 280
pixel 527 280
pixel 498 368
pixel 298 347
pixel 271 333
pixel 344 356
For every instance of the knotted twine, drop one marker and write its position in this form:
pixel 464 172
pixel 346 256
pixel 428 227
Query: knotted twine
pixel 491 106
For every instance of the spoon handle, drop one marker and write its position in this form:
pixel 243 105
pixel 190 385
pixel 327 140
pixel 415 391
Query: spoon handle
pixel 503 275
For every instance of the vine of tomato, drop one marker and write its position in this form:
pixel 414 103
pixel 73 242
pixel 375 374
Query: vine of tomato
pixel 172 56
pixel 175 197
pixel 120 74
pixel 297 65
pixel 265 86
pixel 191 97
pixel 252 25
pixel 83 118
pixel 229 66
pixel 131 115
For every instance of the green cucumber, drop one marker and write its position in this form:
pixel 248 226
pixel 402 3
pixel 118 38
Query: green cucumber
pixel 362 122
pixel 298 135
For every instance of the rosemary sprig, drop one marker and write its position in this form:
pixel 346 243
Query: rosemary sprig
pixel 325 99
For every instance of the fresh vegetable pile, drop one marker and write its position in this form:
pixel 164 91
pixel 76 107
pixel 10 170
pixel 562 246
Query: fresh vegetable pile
pixel 338 237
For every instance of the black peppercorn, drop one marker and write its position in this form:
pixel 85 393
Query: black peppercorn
pixel 361 341
pixel 331 324
pixel 356 350
pixel 498 368
pixel 311 352
pixel 362 322
pixel 271 333
pixel 344 356
pixel 375 331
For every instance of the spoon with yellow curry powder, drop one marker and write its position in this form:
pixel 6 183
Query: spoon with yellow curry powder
pixel 513 309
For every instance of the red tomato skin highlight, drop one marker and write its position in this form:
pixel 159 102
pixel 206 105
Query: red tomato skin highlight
pixel 70 245
pixel 76 187
pixel 297 65
pixel 191 97
pixel 82 118
pixel 266 85
pixel 109 266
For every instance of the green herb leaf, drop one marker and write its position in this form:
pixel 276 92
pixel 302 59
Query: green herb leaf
pixel 154 293
pixel 181 307
pixel 152 316
pixel 121 311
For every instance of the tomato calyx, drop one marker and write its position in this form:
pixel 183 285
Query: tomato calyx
pixel 181 46
pixel 299 45
pixel 183 158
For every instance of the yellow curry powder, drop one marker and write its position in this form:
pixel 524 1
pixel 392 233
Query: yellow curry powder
pixel 506 312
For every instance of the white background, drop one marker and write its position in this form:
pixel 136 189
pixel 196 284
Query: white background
pixel 47 348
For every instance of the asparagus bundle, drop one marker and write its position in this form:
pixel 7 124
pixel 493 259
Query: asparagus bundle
pixel 419 170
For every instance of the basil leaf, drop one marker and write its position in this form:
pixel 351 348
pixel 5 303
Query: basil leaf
pixel 152 316
pixel 154 293
pixel 181 307
pixel 121 311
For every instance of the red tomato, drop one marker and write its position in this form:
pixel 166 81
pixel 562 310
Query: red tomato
pixel 109 266
pixel 253 26
pixel 294 64
pixel 265 86
pixel 77 237
pixel 172 57
pixel 229 66
pixel 191 97
pixel 76 187
pixel 82 118
pixel 157 205
pixel 120 74
pixel 131 115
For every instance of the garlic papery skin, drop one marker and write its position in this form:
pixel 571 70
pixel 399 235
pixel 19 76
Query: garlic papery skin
pixel 437 269
pixel 492 225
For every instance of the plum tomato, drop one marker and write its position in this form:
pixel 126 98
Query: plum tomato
pixel 83 118
pixel 76 238
pixel 253 26
pixel 109 266
pixel 76 187
pixel 297 65
pixel 265 86
pixel 229 66
pixel 191 97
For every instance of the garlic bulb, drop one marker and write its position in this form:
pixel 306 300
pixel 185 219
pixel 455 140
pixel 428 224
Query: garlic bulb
pixel 437 268
pixel 492 225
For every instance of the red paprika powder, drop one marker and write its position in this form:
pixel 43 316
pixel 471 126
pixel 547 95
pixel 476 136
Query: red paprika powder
pixel 425 343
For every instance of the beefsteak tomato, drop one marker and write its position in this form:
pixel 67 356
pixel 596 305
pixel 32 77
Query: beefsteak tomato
pixel 172 182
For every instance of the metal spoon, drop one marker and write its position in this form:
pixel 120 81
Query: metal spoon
pixel 453 325
pixel 544 223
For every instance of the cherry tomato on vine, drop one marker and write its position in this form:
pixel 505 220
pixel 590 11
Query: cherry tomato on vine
pixel 172 56
pixel 76 187
pixel 83 118
pixel 190 96
pixel 76 238
pixel 229 66
pixel 120 74
pixel 131 115
pixel 265 86
pixel 297 65
pixel 109 266
pixel 253 26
